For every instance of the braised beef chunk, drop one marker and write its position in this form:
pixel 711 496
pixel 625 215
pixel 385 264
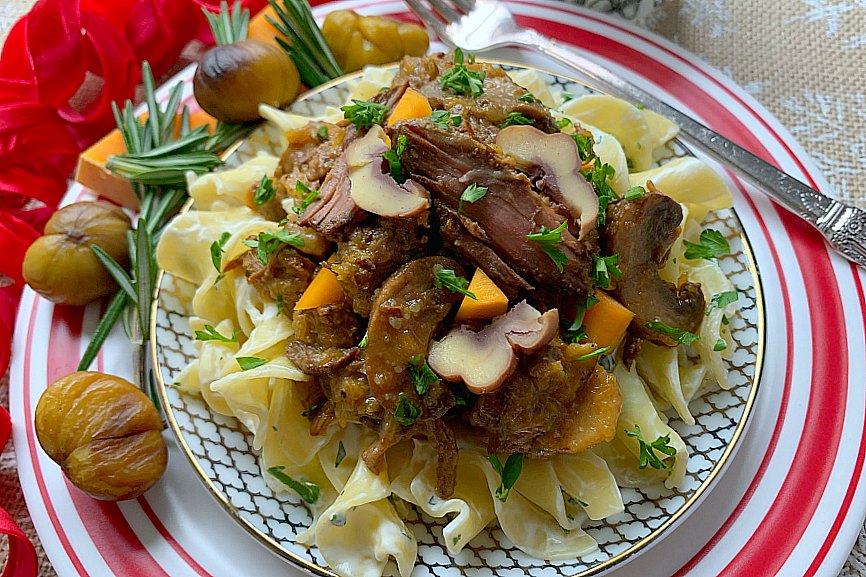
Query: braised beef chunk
pixel 482 116
pixel 443 440
pixel 370 252
pixel 641 232
pixel 325 339
pixel 406 313
pixel 446 163
pixel 534 412
pixel 334 207
pixel 284 277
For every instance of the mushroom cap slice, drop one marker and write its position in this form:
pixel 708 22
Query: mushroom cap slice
pixel 484 360
pixel 558 158
pixel 375 191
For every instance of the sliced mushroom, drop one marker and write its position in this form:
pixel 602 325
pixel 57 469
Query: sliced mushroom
pixel 557 157
pixel 375 191
pixel 484 360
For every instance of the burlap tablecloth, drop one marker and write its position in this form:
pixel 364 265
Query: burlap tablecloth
pixel 804 60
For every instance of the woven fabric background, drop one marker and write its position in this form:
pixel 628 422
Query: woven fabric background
pixel 804 60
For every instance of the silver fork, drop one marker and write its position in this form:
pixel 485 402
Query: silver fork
pixel 482 25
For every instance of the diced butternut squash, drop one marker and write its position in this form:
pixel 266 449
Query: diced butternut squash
pixel 91 171
pixel 606 321
pixel 489 300
pixel 324 290
pixel 412 104
pixel 262 30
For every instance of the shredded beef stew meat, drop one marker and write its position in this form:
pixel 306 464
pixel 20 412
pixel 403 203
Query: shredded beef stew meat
pixel 403 279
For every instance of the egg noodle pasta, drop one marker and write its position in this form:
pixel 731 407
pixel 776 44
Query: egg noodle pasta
pixel 358 525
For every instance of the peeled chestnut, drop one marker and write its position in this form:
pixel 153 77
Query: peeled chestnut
pixel 233 79
pixel 104 433
pixel 61 266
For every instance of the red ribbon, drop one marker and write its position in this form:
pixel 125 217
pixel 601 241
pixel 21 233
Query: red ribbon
pixel 61 67
pixel 22 560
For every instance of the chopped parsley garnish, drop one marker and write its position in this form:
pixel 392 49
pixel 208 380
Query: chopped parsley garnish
pixel 307 491
pixel 461 80
pixel 443 119
pixel 265 191
pixel 407 412
pixel 584 144
pixel 280 304
pixel 463 397
pixel 309 196
pixel 648 450
pixel 712 244
pixel 267 242
pixel 311 410
pixel 566 96
pixel 576 332
pixel 599 175
pixel 530 98
pixel 364 114
pixel 448 279
pixel 604 268
pixel 516 118
pixel 593 354
pixel 395 165
pixel 548 239
pixel 322 133
pixel 720 345
pixel 508 474
pixel 562 123
pixel 421 374
pixel 634 193
pixel 341 454
pixel 721 300
pixel 247 363
pixel 639 106
pixel 680 335
pixel 576 501
pixel 725 320
pixel 472 193
pixel 364 340
pixel 211 334
pixel 216 251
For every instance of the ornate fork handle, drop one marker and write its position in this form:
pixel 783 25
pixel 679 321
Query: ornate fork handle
pixel 843 226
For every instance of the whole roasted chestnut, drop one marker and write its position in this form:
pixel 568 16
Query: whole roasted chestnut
pixel 233 79
pixel 61 266
pixel 104 433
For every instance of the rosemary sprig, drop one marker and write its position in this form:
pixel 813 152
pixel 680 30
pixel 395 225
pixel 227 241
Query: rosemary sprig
pixel 156 163
pixel 306 46
pixel 228 27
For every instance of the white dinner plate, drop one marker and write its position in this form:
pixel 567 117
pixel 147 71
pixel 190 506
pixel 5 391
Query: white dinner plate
pixel 789 502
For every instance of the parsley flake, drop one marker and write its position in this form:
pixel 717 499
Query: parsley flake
pixel 364 114
pixel 721 300
pixel 443 119
pixel 267 242
pixel 530 98
pixel 593 354
pixel 720 345
pixel 421 374
pixel 309 196
pixel 584 144
pixel 247 363
pixel 635 193
pixel 211 334
pixel 406 412
pixel 448 279
pixel 548 239
pixel 712 244
pixel 648 450
pixel 471 194
pixel 604 268
pixel 395 165
pixel 322 133
pixel 364 340
pixel 216 250
pixel 508 474
pixel 265 191
pixel 516 118
pixel 562 123
pixel 599 175
pixel 341 454
pixel 680 335
pixel 576 332
pixel 307 491
pixel 460 80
